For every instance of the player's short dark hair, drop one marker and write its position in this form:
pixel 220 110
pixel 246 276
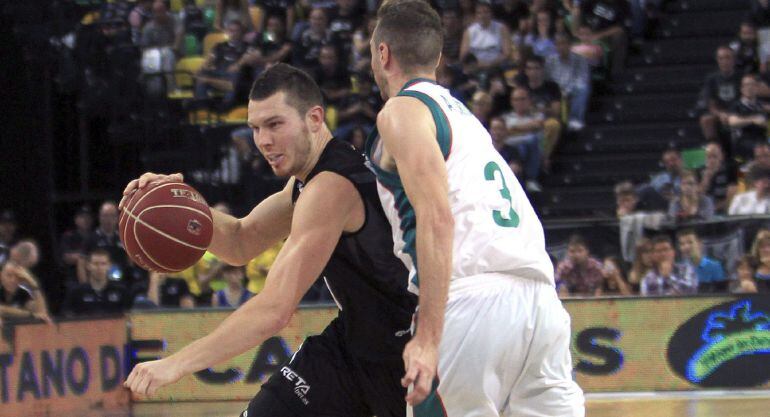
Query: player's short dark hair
pixel 412 30
pixel 577 240
pixel 302 93
pixel 99 252
pixel 688 231
pixel 658 239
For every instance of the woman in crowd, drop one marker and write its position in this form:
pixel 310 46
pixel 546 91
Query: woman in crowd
pixel 760 251
pixel 691 204
pixel 614 283
pixel 234 294
pixel 643 263
pixel 745 276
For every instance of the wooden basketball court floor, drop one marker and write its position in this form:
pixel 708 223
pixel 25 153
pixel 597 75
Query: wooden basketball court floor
pixel 702 404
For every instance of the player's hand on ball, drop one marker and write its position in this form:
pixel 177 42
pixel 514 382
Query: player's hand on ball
pixel 420 362
pixel 147 377
pixel 144 180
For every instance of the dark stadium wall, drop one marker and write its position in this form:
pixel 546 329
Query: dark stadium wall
pixel 25 147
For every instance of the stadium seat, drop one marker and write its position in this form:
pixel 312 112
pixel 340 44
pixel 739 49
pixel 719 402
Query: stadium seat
pixel 185 68
pixel 211 40
pixel 694 158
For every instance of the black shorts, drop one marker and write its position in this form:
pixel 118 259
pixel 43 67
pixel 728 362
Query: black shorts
pixel 323 380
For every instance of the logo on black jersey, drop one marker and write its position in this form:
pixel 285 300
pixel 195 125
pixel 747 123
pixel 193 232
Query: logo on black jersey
pixel 301 387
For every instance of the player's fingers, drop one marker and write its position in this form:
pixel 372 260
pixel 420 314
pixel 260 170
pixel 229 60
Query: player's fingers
pixel 422 387
pixel 124 200
pixel 130 378
pixel 131 186
pixel 146 178
pixel 177 177
pixel 411 374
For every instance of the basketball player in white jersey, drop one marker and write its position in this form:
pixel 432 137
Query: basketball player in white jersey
pixel 490 327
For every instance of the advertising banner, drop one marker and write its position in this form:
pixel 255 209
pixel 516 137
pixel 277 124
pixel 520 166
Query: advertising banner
pixel 55 369
pixel 158 334
pixel 652 344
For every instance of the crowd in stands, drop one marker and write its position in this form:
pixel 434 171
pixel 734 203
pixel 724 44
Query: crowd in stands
pixel 525 68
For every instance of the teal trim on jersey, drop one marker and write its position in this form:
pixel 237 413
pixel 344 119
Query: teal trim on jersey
pixel 387 178
pixel 443 132
pixel 408 226
pixel 414 81
pixel 432 406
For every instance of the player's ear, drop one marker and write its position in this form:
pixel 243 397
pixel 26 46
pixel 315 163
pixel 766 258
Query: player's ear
pixel 316 117
pixel 384 54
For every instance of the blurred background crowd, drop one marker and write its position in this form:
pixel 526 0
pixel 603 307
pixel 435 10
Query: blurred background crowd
pixel 649 116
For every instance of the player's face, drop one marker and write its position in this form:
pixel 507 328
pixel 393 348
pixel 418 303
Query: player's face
pixel 280 134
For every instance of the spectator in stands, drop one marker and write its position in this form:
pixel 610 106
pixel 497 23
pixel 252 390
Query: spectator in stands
pixel 757 199
pixel 581 273
pixel 332 76
pixel 542 43
pixel 229 10
pixel 98 295
pixel 710 273
pixel 720 90
pixel 20 295
pixel 717 177
pixel 690 203
pixel 73 244
pixel 626 199
pixel 589 49
pixel 667 182
pixel 234 294
pixel 361 55
pixel 453 35
pixel 546 97
pixel 525 133
pixel 257 268
pixel 613 283
pixel 745 48
pixel 748 120
pixel 342 25
pixel 139 16
pixel 760 252
pixel 523 34
pixel 7 233
pixel 268 48
pixel 487 39
pixel 223 66
pixel 605 21
pixel 192 21
pixel 666 276
pixel 573 75
pixel 358 110
pixel 307 47
pixel 745 283
pixel 481 107
pixel 510 11
pixel 499 133
pixel 162 30
pixel 166 291
pixel 643 263
pixel 281 9
pixel 105 237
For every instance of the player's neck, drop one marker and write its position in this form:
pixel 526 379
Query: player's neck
pixel 317 146
pixel 397 81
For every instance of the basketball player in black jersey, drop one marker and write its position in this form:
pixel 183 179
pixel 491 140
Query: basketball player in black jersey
pixel 330 214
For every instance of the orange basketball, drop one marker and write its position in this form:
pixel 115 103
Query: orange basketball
pixel 166 227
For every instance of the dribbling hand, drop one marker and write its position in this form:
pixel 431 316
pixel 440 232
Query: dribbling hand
pixel 147 377
pixel 420 362
pixel 144 180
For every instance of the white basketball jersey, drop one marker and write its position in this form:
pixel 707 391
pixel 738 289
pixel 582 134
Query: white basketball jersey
pixel 496 229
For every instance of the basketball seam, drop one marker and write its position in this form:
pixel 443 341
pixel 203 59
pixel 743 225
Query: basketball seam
pixel 160 232
pixel 202 213
pixel 139 242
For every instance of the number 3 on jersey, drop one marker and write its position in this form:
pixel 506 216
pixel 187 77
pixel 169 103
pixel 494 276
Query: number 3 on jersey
pixel 512 218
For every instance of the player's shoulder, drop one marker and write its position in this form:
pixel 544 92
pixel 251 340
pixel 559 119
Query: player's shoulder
pixel 399 109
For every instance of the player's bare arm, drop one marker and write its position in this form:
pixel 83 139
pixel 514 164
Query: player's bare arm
pixel 236 241
pixel 328 206
pixel 408 133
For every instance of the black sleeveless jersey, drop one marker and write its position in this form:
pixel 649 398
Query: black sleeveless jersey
pixel 365 277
